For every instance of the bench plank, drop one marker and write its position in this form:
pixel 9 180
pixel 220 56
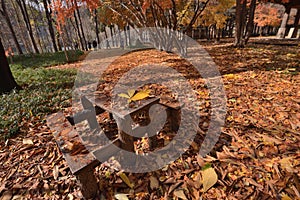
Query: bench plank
pixel 82 164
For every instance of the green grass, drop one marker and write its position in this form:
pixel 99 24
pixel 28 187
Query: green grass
pixel 45 91
pixel 46 59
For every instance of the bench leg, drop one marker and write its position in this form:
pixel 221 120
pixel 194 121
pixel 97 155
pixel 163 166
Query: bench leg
pixel 127 141
pixel 125 131
pixel 174 118
pixel 88 182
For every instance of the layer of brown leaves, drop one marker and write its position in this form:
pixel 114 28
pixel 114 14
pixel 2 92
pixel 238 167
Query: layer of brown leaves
pixel 257 156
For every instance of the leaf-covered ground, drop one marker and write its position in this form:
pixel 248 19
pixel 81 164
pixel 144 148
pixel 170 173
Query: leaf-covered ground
pixel 257 156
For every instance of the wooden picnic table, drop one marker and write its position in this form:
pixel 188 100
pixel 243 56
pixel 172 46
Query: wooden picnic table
pixel 82 164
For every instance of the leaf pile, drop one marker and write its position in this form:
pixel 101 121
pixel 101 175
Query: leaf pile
pixel 257 156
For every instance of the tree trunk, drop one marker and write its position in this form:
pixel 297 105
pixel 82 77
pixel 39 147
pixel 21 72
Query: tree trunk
pixel 20 27
pixel 250 24
pixel 4 13
pixel 129 35
pixel 97 26
pixel 81 27
pixel 78 32
pixel 240 22
pixel 282 30
pixel 112 35
pixel 50 25
pixel 58 41
pixel 25 15
pixel 7 81
pixel 296 24
pixel 126 37
pixel 40 40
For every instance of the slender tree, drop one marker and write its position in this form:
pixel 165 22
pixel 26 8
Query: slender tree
pixel 296 24
pixel 79 32
pixel 97 25
pixel 24 11
pixel 7 81
pixel 81 26
pixel 4 13
pixel 240 17
pixel 48 13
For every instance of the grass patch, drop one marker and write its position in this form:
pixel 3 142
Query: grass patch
pixel 44 91
pixel 46 59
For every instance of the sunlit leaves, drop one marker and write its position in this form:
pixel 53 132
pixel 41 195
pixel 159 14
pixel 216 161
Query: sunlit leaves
pixel 132 95
pixel 216 13
pixel 267 14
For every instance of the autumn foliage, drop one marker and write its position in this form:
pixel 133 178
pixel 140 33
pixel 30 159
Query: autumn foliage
pixel 267 15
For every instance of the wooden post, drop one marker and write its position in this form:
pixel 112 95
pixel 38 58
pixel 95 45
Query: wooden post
pixel 92 120
pixel 125 131
pixel 174 118
pixel 88 182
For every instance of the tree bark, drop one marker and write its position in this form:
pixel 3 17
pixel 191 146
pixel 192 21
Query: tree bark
pixel 4 13
pixel 50 25
pixel 240 22
pixel 97 26
pixel 282 30
pixel 25 15
pixel 78 31
pixel 7 81
pixel 81 27
pixel 250 24
pixel 39 40
pixel 111 27
pixel 20 27
pixel 296 24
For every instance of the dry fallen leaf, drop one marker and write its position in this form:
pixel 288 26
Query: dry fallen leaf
pixel 56 172
pixel 209 178
pixel 121 197
pixel 154 182
pixel 7 195
pixel 286 164
pixel 285 197
pixel 126 179
pixel 27 141
pixel 180 194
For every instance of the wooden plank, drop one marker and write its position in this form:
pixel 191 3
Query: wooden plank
pixel 121 113
pixel 107 151
pixel 64 133
pixel 88 183
pixel 173 115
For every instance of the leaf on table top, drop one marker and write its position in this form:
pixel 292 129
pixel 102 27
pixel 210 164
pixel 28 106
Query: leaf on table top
pixel 180 194
pixel 140 96
pixel 124 95
pixel 131 92
pixel 121 197
pixel 209 178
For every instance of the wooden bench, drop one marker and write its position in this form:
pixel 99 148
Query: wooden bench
pixel 82 161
